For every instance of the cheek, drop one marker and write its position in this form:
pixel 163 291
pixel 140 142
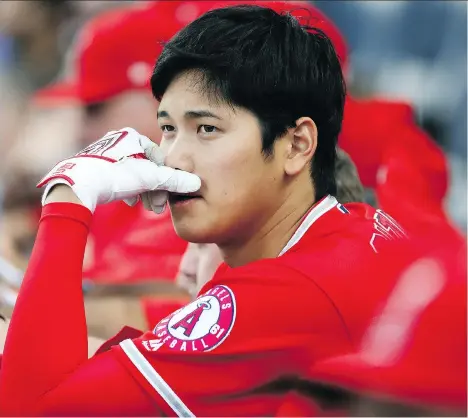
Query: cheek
pixel 231 174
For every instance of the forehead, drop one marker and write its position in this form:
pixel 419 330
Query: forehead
pixel 191 90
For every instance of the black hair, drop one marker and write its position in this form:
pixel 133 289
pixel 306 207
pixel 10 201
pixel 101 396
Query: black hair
pixel 257 59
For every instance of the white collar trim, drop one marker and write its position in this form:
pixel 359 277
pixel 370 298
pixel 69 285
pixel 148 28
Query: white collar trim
pixel 323 207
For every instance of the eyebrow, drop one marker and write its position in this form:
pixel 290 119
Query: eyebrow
pixel 191 114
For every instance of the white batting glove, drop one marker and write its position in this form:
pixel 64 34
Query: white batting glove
pixel 117 167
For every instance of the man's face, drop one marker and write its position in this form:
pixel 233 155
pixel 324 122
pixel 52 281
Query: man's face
pixel 135 109
pixel 222 145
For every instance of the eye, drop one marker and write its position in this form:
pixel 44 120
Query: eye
pixel 167 128
pixel 207 129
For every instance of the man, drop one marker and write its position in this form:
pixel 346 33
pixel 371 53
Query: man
pixel 250 151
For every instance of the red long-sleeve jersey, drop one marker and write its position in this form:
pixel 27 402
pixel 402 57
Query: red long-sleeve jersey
pixel 236 350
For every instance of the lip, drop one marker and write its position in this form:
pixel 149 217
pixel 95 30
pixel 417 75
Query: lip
pixel 179 200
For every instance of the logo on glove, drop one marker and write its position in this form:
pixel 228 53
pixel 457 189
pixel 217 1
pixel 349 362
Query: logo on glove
pixel 105 144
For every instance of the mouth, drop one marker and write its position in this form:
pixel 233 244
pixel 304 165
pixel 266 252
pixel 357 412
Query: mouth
pixel 175 198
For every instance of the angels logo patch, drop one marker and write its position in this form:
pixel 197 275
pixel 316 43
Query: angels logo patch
pixel 202 325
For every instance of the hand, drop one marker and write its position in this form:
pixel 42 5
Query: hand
pixel 117 167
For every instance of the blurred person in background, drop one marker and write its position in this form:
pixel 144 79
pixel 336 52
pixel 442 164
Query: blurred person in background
pixel 34 28
pixel 29 57
pixel 232 201
pixel 396 54
pixel 412 360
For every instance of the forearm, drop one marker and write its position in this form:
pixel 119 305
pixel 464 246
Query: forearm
pixel 47 337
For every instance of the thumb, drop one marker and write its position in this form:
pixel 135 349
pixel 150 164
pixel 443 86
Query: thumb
pixel 152 150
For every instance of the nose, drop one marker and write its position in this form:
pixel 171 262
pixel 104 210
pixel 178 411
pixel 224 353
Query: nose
pixel 178 155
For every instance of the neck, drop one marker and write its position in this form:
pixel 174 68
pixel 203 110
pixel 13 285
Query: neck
pixel 272 237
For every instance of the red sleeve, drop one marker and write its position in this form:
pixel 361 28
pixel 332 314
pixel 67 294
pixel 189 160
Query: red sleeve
pixel 236 349
pixel 45 356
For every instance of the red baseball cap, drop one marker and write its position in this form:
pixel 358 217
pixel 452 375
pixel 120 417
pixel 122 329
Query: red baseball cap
pixel 114 52
pixel 415 350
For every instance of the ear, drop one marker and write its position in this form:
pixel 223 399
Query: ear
pixel 302 146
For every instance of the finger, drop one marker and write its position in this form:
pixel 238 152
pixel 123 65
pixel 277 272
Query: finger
pixel 178 181
pixel 158 200
pixel 158 197
pixel 132 201
pixel 145 199
pixel 159 209
pixel 153 177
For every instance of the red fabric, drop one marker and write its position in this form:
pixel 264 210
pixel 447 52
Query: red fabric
pixel 123 334
pixel 297 405
pixel 286 312
pixel 426 364
pixel 129 244
pixel 157 309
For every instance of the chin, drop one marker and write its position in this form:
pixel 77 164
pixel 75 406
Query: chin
pixel 191 233
pixel 200 226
